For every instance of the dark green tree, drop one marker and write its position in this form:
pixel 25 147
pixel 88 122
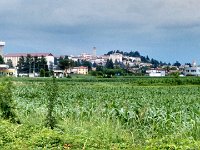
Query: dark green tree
pixel 155 63
pixel 35 64
pixel 63 64
pixel 109 64
pixel 9 63
pixel 43 63
pixel 99 68
pixel 88 64
pixel 94 65
pixel 177 64
pixel 77 63
pixel 21 65
pixel 1 60
pixel 28 63
pixel 31 64
pixel 42 72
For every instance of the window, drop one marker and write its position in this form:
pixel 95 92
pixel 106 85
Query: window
pixel 193 70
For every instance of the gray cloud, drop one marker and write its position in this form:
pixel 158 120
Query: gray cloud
pixel 150 13
pixel 152 24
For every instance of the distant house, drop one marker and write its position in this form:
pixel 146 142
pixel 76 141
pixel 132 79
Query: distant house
pixel 156 73
pixel 6 71
pixel 59 73
pixel 116 57
pixel 14 57
pixel 78 70
pixel 192 71
pixel 132 59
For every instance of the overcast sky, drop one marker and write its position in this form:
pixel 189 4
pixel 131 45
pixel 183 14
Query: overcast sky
pixel 166 30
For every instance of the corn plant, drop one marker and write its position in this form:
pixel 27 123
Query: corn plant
pixel 52 93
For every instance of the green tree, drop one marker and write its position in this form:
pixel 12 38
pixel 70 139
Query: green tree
pixel 43 64
pixel 77 63
pixel 87 64
pixel 109 64
pixel 9 63
pixel 28 63
pixel 42 73
pixel 177 64
pixel 99 68
pixel 65 63
pixel 21 65
pixel 155 63
pixel 1 60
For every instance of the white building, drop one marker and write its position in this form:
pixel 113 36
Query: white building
pixel 16 56
pixel 156 73
pixel 116 57
pixel 193 71
pixel 132 59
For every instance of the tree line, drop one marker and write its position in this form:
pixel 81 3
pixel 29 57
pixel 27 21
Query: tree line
pixel 34 64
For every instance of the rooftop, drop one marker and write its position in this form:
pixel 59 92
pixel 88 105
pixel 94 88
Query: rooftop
pixel 25 54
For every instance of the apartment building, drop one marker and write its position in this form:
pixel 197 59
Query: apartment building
pixel 14 57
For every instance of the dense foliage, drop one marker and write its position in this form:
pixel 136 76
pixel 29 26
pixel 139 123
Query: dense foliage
pixel 32 64
pixel 1 60
pixel 7 106
pixel 106 114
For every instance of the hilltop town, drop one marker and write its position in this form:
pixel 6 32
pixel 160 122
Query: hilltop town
pixel 113 63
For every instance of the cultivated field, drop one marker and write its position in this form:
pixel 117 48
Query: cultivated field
pixel 121 113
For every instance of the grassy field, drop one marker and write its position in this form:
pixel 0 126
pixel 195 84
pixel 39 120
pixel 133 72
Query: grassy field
pixel 118 113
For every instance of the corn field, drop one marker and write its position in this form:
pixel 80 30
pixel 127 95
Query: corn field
pixel 105 115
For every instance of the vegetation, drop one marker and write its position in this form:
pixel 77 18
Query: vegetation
pixel 100 113
pixel 66 63
pixel 52 93
pixel 32 64
pixel 7 108
pixel 1 60
pixel 155 63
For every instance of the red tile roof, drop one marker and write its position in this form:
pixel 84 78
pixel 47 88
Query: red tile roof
pixel 82 67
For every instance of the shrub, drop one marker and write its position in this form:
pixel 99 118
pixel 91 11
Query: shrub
pixel 6 101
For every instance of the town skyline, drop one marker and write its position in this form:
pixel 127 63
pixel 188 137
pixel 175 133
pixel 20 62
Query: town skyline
pixel 164 30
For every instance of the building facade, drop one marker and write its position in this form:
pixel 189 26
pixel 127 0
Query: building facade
pixel 156 73
pixel 5 71
pixel 79 70
pixel 16 56
pixel 116 57
pixel 192 71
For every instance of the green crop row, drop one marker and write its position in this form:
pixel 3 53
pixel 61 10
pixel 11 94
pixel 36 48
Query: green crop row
pixel 106 115
pixel 141 81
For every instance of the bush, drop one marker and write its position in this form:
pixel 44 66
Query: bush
pixel 6 101
pixel 42 73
